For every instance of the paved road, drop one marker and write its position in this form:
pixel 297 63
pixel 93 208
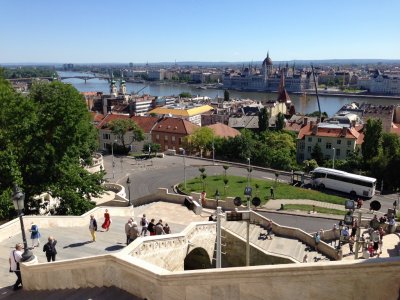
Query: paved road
pixel 148 175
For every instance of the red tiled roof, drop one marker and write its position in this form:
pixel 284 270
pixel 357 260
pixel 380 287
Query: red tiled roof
pixel 223 130
pixel 96 117
pixel 175 125
pixel 146 123
pixel 351 133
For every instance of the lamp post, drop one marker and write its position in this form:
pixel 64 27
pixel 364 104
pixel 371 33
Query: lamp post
pixel 333 158
pixel 184 166
pixel 18 198
pixel 340 234
pixel 248 183
pixel 113 161
pixel 128 182
pixel 217 195
pixel 213 150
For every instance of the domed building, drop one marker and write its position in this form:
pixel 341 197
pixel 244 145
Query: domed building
pixel 267 79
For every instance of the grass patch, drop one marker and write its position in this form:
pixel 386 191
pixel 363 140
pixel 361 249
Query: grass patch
pixel 237 184
pixel 322 210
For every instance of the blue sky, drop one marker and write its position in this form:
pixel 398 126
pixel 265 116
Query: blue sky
pixel 97 31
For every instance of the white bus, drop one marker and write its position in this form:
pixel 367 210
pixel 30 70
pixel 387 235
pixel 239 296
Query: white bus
pixel 355 185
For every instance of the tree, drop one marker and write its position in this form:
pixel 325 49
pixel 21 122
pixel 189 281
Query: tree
pixel 263 120
pixel 226 95
pixel 185 95
pixel 280 121
pixel 46 148
pixel 317 154
pixel 154 147
pixel 200 139
pixel 120 127
pixel 372 139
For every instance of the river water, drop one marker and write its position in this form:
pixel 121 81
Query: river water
pixel 308 104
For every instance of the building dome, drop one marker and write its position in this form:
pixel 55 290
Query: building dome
pixel 267 61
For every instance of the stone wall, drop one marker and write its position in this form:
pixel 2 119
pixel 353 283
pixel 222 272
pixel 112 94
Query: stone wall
pixel 169 251
pixel 235 253
pixel 363 279
pixel 13 227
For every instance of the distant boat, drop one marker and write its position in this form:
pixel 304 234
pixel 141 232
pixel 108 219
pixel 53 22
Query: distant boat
pixel 201 88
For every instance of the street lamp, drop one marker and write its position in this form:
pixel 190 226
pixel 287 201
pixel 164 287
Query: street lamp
pixel 113 161
pixel 217 195
pixel 184 166
pixel 248 183
pixel 128 182
pixel 340 235
pixel 18 198
pixel 333 158
pixel 213 149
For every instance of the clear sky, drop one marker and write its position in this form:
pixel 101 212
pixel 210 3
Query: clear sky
pixel 97 31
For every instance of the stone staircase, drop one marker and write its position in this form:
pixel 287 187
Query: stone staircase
pixel 281 246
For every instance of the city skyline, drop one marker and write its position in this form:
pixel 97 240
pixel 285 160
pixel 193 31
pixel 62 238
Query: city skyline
pixel 224 31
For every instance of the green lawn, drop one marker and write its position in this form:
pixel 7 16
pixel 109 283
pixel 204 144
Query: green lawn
pixel 236 185
pixel 322 210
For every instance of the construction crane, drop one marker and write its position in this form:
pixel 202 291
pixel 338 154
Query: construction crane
pixel 316 92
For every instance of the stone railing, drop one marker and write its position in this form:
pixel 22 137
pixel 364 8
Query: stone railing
pixel 13 227
pixel 169 251
pixel 97 163
pixel 323 280
pixel 298 234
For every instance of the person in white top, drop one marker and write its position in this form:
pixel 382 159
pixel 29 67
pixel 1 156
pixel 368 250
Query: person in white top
pixel 14 260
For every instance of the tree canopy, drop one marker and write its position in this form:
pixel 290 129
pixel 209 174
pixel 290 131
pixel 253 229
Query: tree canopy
pixel 120 128
pixel 46 139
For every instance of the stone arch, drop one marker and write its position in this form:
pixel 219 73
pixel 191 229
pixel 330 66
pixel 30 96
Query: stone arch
pixel 198 258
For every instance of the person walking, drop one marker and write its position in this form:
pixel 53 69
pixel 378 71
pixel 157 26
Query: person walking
pixel 272 192
pixel 351 244
pixel 133 232
pixel 14 260
pixel 144 223
pixel 151 228
pixel 107 221
pixel 128 226
pixel 50 249
pixel 167 229
pixel 159 228
pixel 269 230
pixel 93 227
pixel 35 235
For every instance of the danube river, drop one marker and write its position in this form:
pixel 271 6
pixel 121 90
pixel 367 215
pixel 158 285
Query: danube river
pixel 308 104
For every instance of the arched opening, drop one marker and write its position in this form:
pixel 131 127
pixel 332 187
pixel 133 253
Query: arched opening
pixel 198 258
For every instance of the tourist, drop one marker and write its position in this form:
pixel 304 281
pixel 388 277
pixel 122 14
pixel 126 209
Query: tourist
pixel 93 227
pixel 50 249
pixel 14 260
pixel 203 198
pixel 351 244
pixel 392 223
pixel 133 232
pixel 107 221
pixel 128 226
pixel 272 192
pixel 317 239
pixel 305 258
pixel 167 229
pixel 381 232
pixel 144 223
pixel 359 203
pixel 269 230
pixel 371 249
pixel 35 235
pixel 159 228
pixel 151 228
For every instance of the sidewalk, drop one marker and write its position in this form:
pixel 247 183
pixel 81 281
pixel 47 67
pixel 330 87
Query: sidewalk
pixel 275 206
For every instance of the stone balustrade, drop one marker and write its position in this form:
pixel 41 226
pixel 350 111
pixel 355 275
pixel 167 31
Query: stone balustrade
pixel 169 251
pixel 13 227
pixel 298 234
pixel 323 280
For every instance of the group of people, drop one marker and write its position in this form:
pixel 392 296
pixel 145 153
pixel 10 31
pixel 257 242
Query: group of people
pixel 151 228
pixel 93 224
pixel 16 258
